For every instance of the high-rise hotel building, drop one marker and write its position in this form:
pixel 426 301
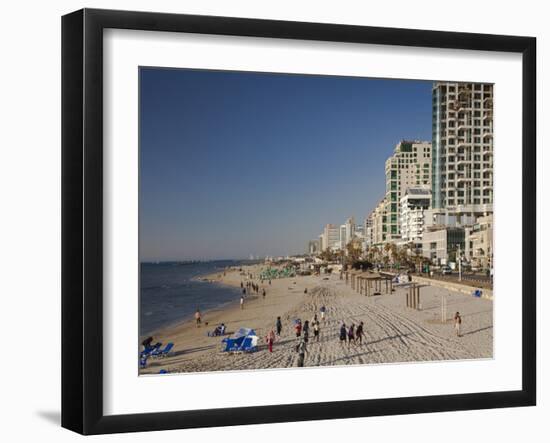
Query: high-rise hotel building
pixel 330 237
pixel 409 166
pixel 462 149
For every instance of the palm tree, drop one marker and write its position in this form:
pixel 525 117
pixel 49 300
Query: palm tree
pixel 373 253
pixel 353 249
pixel 327 255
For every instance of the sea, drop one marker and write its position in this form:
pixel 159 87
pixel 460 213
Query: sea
pixel 171 292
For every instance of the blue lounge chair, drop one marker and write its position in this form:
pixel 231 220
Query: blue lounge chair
pixel 149 350
pixel 143 362
pixel 163 352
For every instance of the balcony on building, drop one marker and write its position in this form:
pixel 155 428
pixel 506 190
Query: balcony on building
pixel 487 115
pixel 463 159
pixel 463 124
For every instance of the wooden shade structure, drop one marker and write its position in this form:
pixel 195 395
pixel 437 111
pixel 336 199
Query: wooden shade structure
pixel 369 283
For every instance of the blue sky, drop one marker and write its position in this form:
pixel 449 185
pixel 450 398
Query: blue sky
pixel 235 163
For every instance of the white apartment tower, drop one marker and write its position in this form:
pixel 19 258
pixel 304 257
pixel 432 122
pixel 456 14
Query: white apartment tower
pixel 379 223
pixel 350 230
pixel 412 218
pixel 331 236
pixel 368 232
pixel 409 166
pixel 343 237
pixel 462 148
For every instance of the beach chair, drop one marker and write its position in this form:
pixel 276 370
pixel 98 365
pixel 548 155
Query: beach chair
pixel 149 350
pixel 143 362
pixel 163 352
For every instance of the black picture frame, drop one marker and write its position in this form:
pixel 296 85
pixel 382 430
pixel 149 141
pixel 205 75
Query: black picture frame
pixel 82 218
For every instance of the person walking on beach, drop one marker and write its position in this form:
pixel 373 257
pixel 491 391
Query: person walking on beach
pixel 242 302
pixel 270 340
pixel 198 317
pixel 343 333
pixel 316 330
pixel 242 284
pixel 301 349
pixel 306 331
pixel 279 325
pixel 263 293
pixel 351 334
pixel 359 334
pixel 323 310
pixel 458 323
pixel 147 343
pixel 298 329
pixel 244 292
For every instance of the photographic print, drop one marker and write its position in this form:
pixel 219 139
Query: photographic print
pixel 290 221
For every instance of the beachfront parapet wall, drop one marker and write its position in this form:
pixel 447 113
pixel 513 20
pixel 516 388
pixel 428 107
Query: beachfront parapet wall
pixel 456 287
pixel 370 283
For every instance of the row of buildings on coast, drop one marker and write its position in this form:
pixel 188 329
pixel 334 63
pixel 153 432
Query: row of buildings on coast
pixel 438 201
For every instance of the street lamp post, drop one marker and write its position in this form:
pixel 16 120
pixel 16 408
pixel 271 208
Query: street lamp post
pixel 459 264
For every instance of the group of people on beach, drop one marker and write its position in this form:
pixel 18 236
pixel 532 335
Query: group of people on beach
pixel 302 334
pixel 302 331
pixel 251 287
pixel 352 334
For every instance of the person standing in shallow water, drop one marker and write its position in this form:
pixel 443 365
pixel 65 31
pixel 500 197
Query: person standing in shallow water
pixel 198 317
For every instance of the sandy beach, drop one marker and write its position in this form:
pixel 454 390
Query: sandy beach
pixel 393 332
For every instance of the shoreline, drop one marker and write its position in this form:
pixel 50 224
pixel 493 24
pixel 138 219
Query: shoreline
pixel 393 333
pixel 203 278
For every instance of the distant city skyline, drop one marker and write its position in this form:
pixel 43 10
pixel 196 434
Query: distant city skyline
pixel 234 164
